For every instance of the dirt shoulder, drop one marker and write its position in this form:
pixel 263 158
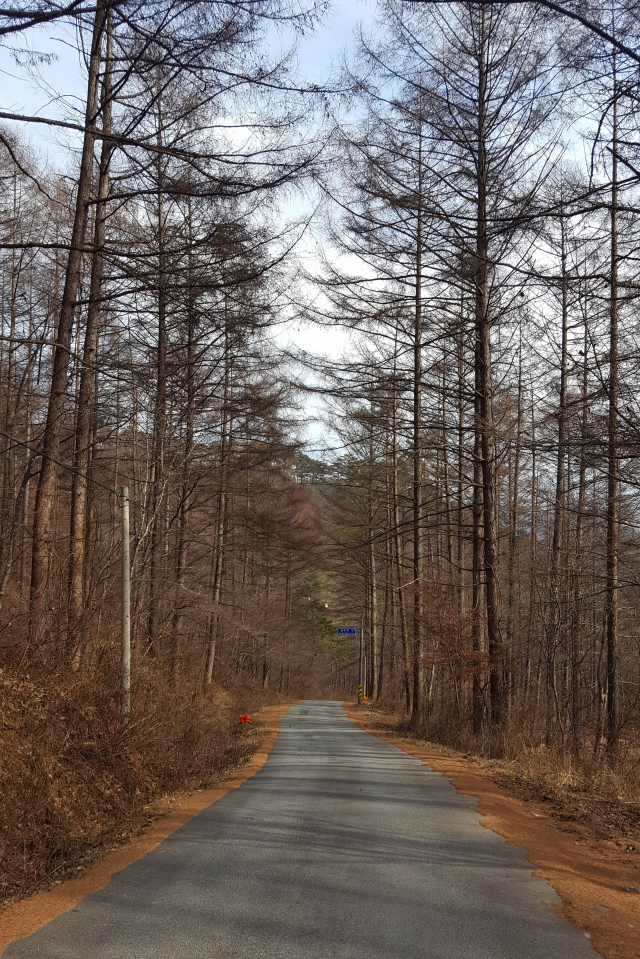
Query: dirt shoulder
pixel 590 856
pixel 20 919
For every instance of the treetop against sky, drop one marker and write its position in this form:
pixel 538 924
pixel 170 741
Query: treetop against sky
pixel 43 71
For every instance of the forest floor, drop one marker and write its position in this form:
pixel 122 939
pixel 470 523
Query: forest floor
pixel 588 849
pixel 162 817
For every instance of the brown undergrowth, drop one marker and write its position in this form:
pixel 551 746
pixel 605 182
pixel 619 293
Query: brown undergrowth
pixel 76 782
pixel 22 918
pixel 586 846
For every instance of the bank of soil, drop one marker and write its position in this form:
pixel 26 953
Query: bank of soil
pixel 588 850
pixel 20 919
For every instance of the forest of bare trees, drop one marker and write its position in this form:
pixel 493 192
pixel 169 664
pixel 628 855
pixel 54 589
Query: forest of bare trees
pixel 138 298
pixel 484 253
pixel 471 180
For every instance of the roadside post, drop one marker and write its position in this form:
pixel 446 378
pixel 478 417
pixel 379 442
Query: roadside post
pixel 125 610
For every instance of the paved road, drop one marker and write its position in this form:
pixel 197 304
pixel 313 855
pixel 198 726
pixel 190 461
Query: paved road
pixel 341 846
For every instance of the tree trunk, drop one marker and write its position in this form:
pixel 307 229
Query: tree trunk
pixel 216 585
pixel 611 601
pixel 87 393
pixel 578 625
pixel 555 618
pixel 485 384
pixel 160 412
pixel 461 467
pixel 45 494
pixel 477 621
pixel 514 562
pixel 185 491
pixel 418 711
pixel 398 549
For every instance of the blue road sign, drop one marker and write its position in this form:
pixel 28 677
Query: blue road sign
pixel 346 630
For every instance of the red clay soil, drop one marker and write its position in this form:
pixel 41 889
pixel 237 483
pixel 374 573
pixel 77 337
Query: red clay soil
pixel 598 880
pixel 22 918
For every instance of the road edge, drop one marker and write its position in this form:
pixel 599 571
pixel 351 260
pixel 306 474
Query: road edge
pixel 21 919
pixel 586 903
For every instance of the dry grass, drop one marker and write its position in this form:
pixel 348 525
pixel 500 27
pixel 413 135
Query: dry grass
pixel 558 772
pixel 74 780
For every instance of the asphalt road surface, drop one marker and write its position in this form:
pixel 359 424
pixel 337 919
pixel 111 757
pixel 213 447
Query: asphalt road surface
pixel 341 846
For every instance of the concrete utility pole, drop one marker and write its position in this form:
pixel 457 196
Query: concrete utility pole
pixel 361 663
pixel 125 609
